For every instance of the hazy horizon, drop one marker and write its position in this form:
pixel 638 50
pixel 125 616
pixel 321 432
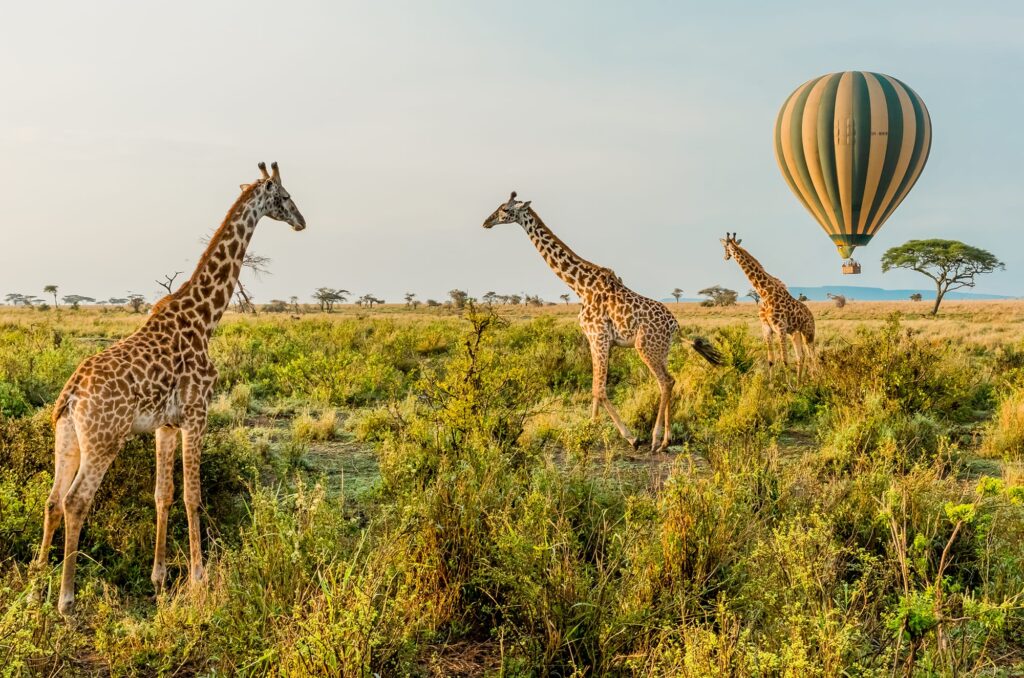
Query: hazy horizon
pixel 641 133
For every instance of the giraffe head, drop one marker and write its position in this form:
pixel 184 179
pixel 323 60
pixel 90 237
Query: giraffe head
pixel 277 202
pixel 511 212
pixel 730 243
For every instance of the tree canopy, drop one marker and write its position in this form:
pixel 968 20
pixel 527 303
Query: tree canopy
pixel 951 264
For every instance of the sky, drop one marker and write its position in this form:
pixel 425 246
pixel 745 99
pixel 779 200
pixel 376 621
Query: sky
pixel 641 131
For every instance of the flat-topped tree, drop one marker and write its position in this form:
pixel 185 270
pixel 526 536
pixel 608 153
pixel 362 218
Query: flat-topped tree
pixel 950 264
pixel 52 289
pixel 611 313
pixel 159 379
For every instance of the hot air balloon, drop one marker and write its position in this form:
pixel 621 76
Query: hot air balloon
pixel 851 145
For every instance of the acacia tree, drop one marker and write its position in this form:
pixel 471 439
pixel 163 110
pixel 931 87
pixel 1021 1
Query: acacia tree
pixel 718 296
pixel 752 293
pixel 677 294
pixel 137 302
pixel 76 300
pixel 458 297
pixel 410 297
pixel 951 264
pixel 565 298
pixel 52 289
pixel 916 296
pixel 489 298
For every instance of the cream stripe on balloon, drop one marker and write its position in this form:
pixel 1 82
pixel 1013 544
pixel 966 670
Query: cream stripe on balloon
pixel 843 139
pixel 787 151
pixel 809 135
pixel 906 152
pixel 876 153
pixel 915 171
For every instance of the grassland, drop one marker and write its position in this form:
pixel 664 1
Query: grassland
pixel 400 492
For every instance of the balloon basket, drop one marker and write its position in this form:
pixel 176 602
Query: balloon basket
pixel 851 267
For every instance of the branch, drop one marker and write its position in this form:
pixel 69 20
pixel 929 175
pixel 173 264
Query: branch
pixel 169 281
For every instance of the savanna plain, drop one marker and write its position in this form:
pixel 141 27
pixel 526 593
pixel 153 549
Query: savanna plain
pixel 422 492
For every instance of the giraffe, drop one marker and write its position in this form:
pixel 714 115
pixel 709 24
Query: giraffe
pixel 780 313
pixel 611 313
pixel 159 379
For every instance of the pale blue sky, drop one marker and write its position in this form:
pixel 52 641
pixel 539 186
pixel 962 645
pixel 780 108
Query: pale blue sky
pixel 641 131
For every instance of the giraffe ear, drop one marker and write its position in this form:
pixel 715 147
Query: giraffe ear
pixel 526 204
pixel 244 186
pixel 739 241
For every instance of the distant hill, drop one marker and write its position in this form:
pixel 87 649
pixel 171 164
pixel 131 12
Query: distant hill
pixel 881 294
pixel 869 294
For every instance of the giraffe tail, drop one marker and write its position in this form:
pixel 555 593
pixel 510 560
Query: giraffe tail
pixel 707 350
pixel 60 407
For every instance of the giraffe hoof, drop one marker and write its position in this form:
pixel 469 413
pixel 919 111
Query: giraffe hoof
pixel 66 605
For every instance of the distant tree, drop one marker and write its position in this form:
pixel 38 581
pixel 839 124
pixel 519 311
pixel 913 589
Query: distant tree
pixel 137 302
pixel 490 297
pixel 415 304
pixel 534 300
pixel 565 298
pixel 949 263
pixel 409 298
pixel 369 300
pixel 16 299
pixel 168 282
pixel 76 300
pixel 433 302
pixel 801 297
pixel 678 294
pixel 294 301
pixel 52 289
pixel 754 295
pixel 276 306
pixel 117 301
pixel 916 296
pixel 718 296
pixel 839 299
pixel 514 299
pixel 328 297
pixel 458 297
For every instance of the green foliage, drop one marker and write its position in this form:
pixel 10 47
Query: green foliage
pixel 820 528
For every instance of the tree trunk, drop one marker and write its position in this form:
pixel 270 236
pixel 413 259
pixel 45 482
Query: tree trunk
pixel 939 292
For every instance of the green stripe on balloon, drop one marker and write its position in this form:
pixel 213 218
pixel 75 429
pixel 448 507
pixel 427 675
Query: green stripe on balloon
pixel 826 143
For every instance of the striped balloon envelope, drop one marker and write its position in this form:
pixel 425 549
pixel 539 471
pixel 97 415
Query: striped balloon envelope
pixel 851 145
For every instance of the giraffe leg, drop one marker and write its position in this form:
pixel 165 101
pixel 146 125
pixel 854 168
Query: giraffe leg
pixel 812 356
pixel 166 445
pixel 766 332
pixel 600 348
pixel 191 449
pixel 798 351
pixel 95 460
pixel 656 359
pixel 782 347
pixel 66 458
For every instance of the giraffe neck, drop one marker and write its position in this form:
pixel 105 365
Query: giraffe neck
pixel 206 295
pixel 758 277
pixel 574 270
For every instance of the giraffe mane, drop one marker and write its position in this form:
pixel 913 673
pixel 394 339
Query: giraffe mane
pixel 559 241
pixel 232 212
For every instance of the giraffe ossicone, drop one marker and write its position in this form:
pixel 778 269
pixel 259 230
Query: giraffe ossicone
pixel 158 379
pixel 610 313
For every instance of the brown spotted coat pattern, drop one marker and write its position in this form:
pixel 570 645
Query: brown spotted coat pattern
pixel 611 314
pixel 781 314
pixel 158 379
